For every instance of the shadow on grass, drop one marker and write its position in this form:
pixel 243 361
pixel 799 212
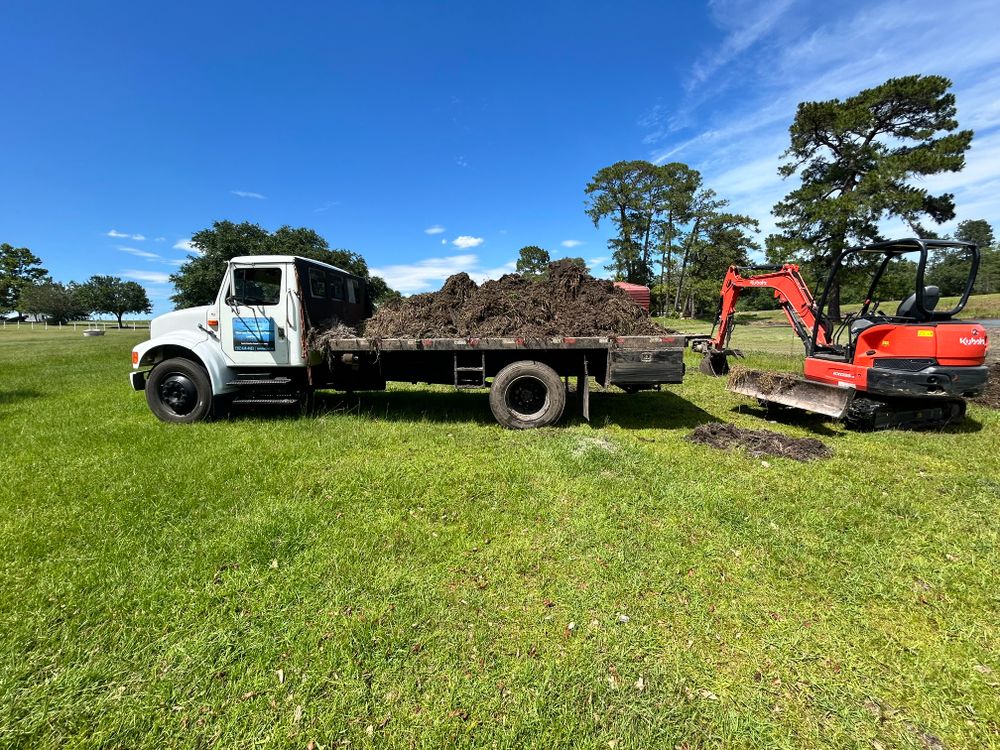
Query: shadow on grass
pixel 662 410
pixel 20 394
pixel 645 410
pixel 393 406
pixel 816 423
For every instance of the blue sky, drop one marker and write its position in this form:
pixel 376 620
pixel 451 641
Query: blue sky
pixel 431 137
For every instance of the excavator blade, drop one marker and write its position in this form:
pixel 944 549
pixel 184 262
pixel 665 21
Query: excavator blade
pixel 791 390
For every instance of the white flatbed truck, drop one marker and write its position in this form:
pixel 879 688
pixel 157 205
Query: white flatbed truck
pixel 252 346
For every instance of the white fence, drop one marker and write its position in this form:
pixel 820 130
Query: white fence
pixel 82 325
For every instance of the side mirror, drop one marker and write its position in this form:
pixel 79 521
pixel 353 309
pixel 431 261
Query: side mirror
pixel 230 300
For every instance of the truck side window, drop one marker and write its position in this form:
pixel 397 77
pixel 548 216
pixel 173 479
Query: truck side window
pixel 257 286
pixel 336 287
pixel 317 283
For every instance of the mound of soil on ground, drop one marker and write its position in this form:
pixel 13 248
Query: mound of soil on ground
pixel 567 302
pixel 759 443
pixel 991 396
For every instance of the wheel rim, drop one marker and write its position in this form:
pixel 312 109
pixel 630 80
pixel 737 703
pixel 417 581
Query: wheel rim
pixel 178 393
pixel 527 397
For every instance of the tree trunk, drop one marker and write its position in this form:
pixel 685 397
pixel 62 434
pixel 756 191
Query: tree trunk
pixel 120 319
pixel 687 252
pixel 833 301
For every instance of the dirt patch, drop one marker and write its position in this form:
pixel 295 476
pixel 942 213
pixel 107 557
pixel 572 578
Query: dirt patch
pixel 567 302
pixel 991 396
pixel 759 443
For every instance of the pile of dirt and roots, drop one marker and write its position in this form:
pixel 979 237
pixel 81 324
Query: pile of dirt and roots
pixel 770 383
pixel 991 396
pixel 759 443
pixel 567 301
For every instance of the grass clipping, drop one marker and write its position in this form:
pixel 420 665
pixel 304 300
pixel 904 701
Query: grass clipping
pixel 567 301
pixel 759 443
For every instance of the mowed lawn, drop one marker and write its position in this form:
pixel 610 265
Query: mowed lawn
pixel 399 571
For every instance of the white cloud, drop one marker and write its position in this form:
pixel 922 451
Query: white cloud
pixel 247 194
pixel 444 241
pixel 139 253
pixel 425 274
pixel 160 239
pixel 153 277
pixel 139 237
pixel 745 93
pixel 429 274
pixel 749 22
pixel 571 243
pixel 597 261
pixel 186 245
pixel 465 241
pixel 493 273
pixel 115 233
pixel 434 229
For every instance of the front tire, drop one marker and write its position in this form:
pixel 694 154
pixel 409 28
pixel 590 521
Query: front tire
pixel 179 390
pixel 527 394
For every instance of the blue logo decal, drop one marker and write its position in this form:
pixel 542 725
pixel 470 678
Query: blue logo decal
pixel 253 334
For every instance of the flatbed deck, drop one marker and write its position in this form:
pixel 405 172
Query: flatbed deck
pixel 506 343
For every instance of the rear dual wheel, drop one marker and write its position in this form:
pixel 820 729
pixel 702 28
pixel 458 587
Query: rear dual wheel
pixel 527 394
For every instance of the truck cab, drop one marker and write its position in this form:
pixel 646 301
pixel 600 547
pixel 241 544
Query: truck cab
pixel 250 341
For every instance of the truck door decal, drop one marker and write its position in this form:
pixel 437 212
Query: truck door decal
pixel 253 334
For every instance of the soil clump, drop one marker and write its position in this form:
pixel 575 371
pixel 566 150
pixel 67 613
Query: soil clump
pixel 759 443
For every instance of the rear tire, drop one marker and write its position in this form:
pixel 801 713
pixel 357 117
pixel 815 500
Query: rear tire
pixel 179 390
pixel 527 394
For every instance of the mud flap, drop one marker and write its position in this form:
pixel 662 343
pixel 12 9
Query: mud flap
pixel 792 391
pixel 583 391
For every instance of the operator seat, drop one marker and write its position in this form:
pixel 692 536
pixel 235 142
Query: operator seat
pixel 908 307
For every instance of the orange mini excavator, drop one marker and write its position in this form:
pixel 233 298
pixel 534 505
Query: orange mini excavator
pixel 911 368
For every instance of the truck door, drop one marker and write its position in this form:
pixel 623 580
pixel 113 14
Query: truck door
pixel 253 321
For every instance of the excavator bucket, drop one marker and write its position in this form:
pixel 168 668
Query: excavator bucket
pixel 714 363
pixel 791 390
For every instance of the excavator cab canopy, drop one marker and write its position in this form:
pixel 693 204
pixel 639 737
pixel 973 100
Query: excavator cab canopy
pixel 920 306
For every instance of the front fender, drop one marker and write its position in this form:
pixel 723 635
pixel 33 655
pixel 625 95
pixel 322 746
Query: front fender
pixel 199 346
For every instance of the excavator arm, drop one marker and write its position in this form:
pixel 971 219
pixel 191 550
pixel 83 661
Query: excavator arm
pixel 792 294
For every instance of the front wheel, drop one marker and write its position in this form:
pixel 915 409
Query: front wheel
pixel 527 394
pixel 179 390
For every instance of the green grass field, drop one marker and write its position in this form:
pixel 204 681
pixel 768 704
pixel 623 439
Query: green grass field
pixel 399 571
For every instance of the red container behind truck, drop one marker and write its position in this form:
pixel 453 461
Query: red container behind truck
pixel 638 292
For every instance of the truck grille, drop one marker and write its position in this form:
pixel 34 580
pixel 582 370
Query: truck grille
pixel 904 363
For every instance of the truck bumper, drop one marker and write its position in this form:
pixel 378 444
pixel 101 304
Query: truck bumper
pixel 137 380
pixel 937 380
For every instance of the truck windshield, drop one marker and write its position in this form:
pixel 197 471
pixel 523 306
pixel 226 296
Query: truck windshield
pixel 257 286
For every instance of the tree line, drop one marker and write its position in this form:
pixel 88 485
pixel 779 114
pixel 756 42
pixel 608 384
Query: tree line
pixel 856 161
pixel 27 288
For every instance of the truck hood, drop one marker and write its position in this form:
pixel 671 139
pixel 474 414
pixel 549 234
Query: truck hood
pixel 179 320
